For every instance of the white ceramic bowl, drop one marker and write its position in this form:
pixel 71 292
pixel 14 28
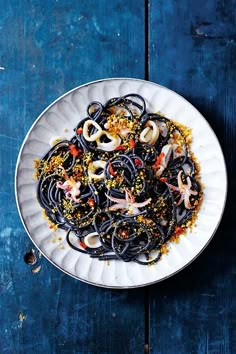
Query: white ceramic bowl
pixel 65 112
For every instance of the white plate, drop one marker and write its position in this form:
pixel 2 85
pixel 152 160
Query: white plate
pixel 65 112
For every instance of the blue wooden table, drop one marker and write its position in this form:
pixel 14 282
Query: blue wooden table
pixel 49 47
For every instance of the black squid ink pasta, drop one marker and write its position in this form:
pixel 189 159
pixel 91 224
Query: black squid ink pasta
pixel 124 185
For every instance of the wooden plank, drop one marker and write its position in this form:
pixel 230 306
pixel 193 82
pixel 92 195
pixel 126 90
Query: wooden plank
pixel 192 50
pixel 48 48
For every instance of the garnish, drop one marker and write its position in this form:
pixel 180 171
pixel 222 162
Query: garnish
pixel 120 147
pixel 132 143
pixel 75 152
pixel 137 162
pixel 82 245
pixel 158 160
pixel 79 131
pixel 91 202
pixel 112 172
pixel 178 231
pixel 163 179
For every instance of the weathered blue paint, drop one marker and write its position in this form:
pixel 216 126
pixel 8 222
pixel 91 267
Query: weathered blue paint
pixel 192 50
pixel 48 48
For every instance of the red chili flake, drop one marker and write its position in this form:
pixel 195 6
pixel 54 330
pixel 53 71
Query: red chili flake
pixel 120 147
pixel 82 244
pixel 178 231
pixel 112 172
pixel 132 143
pixel 51 226
pixel 74 151
pixel 163 179
pixel 79 130
pixel 158 160
pixel 91 202
pixel 137 162
pixel 124 233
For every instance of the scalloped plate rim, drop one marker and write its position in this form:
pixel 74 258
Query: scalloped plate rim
pixel 24 223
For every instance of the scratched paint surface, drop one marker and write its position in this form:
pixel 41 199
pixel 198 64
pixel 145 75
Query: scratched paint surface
pixel 50 47
pixel 47 48
pixel 193 46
